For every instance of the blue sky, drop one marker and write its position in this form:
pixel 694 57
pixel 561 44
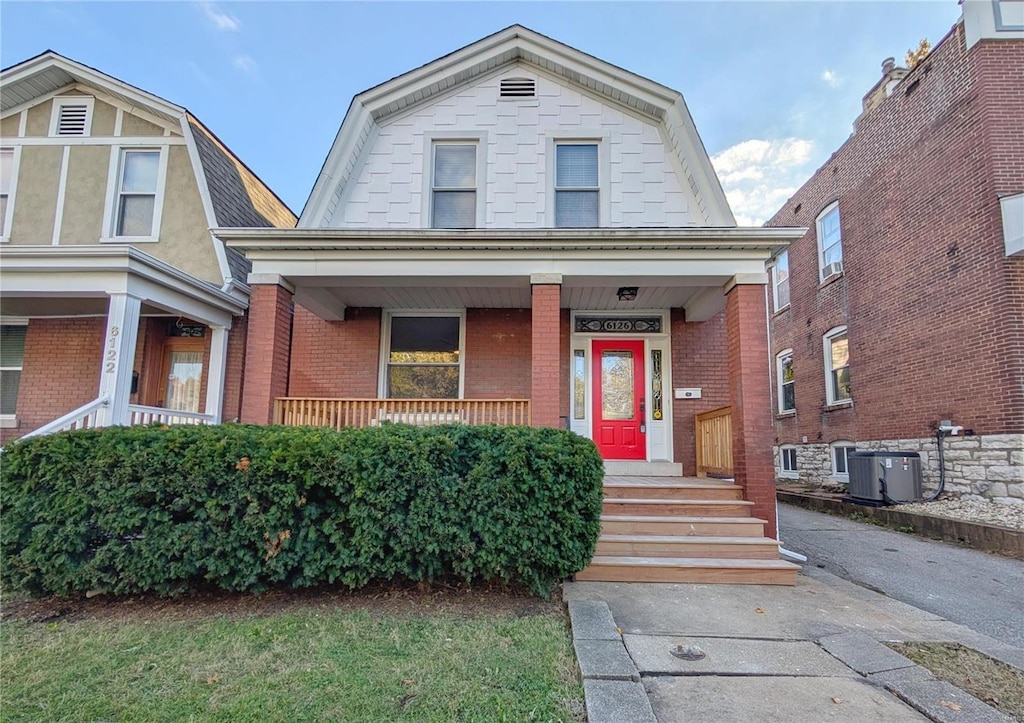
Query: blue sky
pixel 773 86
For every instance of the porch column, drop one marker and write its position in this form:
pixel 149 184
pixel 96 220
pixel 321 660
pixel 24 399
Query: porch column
pixel 749 383
pixel 215 378
pixel 545 331
pixel 268 347
pixel 118 358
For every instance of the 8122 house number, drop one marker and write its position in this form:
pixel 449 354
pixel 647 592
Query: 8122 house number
pixel 110 364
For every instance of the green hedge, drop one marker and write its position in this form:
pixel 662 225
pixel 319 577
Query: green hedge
pixel 244 508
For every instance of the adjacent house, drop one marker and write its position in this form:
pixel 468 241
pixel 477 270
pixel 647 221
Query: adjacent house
pixel 118 305
pixel 902 307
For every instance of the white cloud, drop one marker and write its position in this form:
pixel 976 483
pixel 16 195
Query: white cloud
pixel 758 176
pixel 831 78
pixel 244 63
pixel 220 20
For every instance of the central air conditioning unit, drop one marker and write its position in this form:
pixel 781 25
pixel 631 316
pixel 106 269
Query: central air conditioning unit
pixel 881 478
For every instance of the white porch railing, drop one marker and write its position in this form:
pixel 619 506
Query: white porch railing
pixel 139 414
pixel 82 418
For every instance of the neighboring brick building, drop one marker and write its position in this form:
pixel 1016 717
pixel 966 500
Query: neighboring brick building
pixel 903 305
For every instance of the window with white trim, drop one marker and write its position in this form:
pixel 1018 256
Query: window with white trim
pixel 787 462
pixel 6 184
pixel 830 242
pixel 577 185
pixel 136 203
pixel 841 460
pixel 72 116
pixel 12 358
pixel 454 185
pixel 423 356
pixel 784 370
pixel 780 281
pixel 837 366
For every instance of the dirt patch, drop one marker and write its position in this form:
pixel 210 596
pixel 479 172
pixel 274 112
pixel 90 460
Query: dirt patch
pixel 396 599
pixel 990 681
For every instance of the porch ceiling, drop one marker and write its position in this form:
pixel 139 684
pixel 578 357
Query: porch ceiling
pixel 43 306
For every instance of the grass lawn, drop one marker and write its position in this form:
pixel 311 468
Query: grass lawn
pixel 302 663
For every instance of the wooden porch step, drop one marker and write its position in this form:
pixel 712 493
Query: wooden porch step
pixel 672 491
pixel 677 507
pixel 686 526
pixel 690 570
pixel 719 547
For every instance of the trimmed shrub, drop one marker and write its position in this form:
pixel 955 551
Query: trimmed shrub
pixel 244 508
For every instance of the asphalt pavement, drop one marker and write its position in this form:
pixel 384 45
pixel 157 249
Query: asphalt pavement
pixel 978 590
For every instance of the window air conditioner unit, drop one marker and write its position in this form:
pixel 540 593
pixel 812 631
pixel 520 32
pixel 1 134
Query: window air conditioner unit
pixel 836 267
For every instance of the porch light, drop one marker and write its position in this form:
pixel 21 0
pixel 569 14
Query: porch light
pixel 627 293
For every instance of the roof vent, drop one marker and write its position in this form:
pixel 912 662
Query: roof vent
pixel 518 88
pixel 73 119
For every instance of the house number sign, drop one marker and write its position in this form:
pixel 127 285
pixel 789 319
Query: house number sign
pixel 619 324
pixel 110 363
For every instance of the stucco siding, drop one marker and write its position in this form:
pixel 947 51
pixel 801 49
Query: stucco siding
pixel 84 195
pixel 133 125
pixel 38 122
pixel 103 118
pixel 639 179
pixel 9 126
pixel 184 236
pixel 36 201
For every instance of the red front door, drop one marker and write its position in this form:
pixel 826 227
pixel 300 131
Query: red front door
pixel 620 429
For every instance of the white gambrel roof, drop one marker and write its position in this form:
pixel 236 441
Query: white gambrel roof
pixel 517 44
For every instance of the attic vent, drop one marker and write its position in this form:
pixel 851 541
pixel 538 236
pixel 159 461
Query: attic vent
pixel 518 88
pixel 71 117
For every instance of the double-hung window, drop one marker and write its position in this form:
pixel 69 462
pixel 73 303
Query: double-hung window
pixel 6 184
pixel 136 204
pixel 780 281
pixel 784 369
pixel 453 188
pixel 837 366
pixel 424 357
pixel 577 186
pixel 830 242
pixel 12 356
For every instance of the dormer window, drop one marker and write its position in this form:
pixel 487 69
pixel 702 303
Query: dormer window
pixel 518 88
pixel 72 116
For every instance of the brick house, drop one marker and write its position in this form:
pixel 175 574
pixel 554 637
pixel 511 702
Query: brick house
pixel 118 304
pixel 903 304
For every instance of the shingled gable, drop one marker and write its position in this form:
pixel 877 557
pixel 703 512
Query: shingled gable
pixel 233 196
pixel 518 45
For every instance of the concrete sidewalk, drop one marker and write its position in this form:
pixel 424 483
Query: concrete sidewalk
pixel 772 653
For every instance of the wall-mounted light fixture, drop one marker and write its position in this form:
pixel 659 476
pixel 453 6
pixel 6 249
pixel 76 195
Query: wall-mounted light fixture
pixel 627 293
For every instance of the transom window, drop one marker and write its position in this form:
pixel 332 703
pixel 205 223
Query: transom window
pixel 841 460
pixel 424 357
pixel 787 462
pixel 454 186
pixel 784 368
pixel 577 188
pixel 6 181
pixel 12 357
pixel 830 242
pixel 780 280
pixel 137 193
pixel 837 366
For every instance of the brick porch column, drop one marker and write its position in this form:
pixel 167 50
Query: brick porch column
pixel 749 385
pixel 545 329
pixel 268 347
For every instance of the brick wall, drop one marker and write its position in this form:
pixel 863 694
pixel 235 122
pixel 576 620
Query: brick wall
pixel 335 358
pixel 234 374
pixel 267 353
pixel 546 407
pixel 498 353
pixel 933 307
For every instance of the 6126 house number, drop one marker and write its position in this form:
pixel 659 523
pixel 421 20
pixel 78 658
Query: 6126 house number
pixel 619 324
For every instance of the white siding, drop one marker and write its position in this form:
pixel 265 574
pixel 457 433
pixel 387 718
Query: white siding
pixel 643 184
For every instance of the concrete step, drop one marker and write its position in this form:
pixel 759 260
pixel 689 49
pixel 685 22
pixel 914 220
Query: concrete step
pixel 684 526
pixel 672 491
pixel 681 508
pixel 690 570
pixel 643 469
pixel 718 547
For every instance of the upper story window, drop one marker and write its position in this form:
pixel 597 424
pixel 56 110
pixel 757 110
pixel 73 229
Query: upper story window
pixel 6 186
pixel 454 186
pixel 780 281
pixel 138 182
pixel 72 116
pixel 577 189
pixel 784 370
pixel 837 366
pixel 424 356
pixel 12 356
pixel 830 242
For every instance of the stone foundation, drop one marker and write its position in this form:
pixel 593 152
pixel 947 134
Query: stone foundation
pixel 982 467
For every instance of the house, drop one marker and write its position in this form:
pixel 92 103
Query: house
pixel 118 304
pixel 902 307
pixel 519 232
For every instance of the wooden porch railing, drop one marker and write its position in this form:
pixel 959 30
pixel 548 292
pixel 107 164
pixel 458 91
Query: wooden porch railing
pixel 338 413
pixel 714 442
